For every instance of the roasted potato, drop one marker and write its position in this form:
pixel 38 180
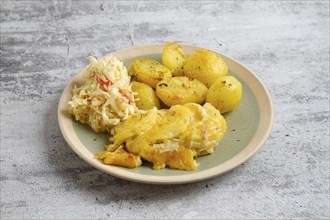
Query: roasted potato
pixel 146 97
pixel 149 71
pixel 205 66
pixel 225 93
pixel 173 57
pixel 181 90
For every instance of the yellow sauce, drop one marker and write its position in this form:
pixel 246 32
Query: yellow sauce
pixel 172 137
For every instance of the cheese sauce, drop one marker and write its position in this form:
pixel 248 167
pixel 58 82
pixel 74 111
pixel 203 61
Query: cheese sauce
pixel 172 137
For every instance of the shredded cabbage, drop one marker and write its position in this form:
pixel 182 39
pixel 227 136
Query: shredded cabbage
pixel 106 97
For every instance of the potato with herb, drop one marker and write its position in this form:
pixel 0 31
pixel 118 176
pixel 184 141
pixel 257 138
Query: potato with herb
pixel 205 66
pixel 149 71
pixel 146 97
pixel 225 94
pixel 181 90
pixel 173 57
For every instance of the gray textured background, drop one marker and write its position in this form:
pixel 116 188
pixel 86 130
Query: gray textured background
pixel 43 44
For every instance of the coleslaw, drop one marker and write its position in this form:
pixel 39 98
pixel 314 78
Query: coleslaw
pixel 106 97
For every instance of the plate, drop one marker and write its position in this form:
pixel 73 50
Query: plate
pixel 248 127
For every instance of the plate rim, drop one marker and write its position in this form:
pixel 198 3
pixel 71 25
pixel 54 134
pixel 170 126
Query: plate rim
pixel 119 172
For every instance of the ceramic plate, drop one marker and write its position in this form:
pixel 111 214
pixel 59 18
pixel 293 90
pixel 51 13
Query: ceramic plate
pixel 248 127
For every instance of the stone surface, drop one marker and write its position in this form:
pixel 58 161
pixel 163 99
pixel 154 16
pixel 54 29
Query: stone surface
pixel 43 44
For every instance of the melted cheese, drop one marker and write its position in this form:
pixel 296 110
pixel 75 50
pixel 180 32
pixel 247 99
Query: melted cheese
pixel 172 137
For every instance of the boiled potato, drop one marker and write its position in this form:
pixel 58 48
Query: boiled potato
pixel 173 57
pixel 225 93
pixel 146 96
pixel 181 90
pixel 149 71
pixel 205 66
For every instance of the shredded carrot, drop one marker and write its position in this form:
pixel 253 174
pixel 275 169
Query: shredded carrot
pixel 109 83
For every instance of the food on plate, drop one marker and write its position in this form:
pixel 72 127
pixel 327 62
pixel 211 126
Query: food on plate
pixel 168 137
pixel 205 66
pixel 131 112
pixel 181 90
pixel 149 71
pixel 201 67
pixel 225 94
pixel 120 157
pixel 174 57
pixel 145 97
pixel 105 98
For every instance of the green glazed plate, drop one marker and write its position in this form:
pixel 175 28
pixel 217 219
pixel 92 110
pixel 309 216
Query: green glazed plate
pixel 248 127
